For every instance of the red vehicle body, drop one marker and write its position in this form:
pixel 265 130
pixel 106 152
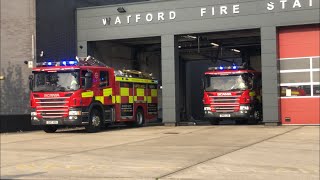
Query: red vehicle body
pixel 79 94
pixel 232 93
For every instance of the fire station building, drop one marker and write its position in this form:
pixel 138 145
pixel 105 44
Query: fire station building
pixel 280 38
pixel 177 40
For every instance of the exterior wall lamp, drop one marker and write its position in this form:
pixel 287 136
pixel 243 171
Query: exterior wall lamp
pixel 121 10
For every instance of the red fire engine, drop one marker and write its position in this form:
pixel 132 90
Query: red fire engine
pixel 88 93
pixel 232 92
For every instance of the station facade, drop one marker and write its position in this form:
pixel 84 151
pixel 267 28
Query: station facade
pixel 287 31
pixel 289 34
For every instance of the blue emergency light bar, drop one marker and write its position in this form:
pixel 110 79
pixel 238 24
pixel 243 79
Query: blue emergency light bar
pixel 61 63
pixel 68 62
pixel 233 67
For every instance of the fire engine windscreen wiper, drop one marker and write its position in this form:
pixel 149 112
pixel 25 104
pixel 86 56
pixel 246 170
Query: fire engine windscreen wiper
pixel 237 89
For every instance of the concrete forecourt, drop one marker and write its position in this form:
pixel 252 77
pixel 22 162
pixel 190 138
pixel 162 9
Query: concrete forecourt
pixel 185 152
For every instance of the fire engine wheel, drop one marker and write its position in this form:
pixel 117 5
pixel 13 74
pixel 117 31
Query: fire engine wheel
pixel 256 118
pixel 95 121
pixel 139 118
pixel 49 129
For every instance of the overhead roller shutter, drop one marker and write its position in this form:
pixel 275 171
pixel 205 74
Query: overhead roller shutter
pixel 299 51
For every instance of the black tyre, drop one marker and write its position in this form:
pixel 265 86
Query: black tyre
pixel 49 129
pixel 256 118
pixel 139 118
pixel 95 121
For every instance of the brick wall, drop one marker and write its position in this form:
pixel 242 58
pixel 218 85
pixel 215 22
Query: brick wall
pixel 17 27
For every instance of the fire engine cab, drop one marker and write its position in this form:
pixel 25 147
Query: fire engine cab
pixel 232 92
pixel 86 92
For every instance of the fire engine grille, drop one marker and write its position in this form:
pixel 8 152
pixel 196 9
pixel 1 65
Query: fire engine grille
pixel 55 107
pixel 225 103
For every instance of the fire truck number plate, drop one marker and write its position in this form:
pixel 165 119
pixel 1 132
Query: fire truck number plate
pixel 51 122
pixel 225 115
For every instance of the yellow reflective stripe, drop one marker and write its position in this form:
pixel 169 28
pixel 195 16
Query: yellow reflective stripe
pixel 135 98
pixel 252 93
pixel 87 94
pixel 113 99
pixel 136 80
pixel 145 98
pixel 149 99
pixel 154 92
pixel 130 99
pixel 140 92
pixel 118 99
pixel 124 91
pixel 107 92
pixel 100 98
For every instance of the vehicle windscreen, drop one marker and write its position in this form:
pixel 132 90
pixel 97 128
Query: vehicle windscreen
pixel 56 81
pixel 227 82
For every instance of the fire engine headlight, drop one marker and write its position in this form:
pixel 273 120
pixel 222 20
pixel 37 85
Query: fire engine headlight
pixel 74 113
pixel 33 113
pixel 207 108
pixel 244 108
pixel 73 117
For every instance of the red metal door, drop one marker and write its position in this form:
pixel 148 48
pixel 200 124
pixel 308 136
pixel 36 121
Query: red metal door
pixel 299 52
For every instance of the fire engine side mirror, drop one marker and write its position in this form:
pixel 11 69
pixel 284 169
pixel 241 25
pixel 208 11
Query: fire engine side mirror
pixel 31 82
pixel 88 80
pixel 202 83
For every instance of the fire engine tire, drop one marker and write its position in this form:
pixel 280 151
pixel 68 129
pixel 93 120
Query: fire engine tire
pixel 214 121
pixel 256 118
pixel 95 121
pixel 139 118
pixel 49 129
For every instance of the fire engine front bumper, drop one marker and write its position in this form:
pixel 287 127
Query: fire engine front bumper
pixel 79 119
pixel 231 115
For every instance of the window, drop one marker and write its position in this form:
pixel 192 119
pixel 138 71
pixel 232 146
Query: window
pixel 140 86
pixel 126 84
pixel 316 90
pixel 104 78
pixel 289 91
pixel 83 73
pixel 299 77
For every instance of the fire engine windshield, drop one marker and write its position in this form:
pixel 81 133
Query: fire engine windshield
pixel 56 81
pixel 227 82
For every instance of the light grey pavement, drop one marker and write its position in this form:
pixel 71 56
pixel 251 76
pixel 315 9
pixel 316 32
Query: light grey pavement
pixel 185 152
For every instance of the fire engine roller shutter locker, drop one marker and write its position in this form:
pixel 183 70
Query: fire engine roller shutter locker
pixel 299 52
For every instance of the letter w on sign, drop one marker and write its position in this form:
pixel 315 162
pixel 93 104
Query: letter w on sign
pixel 106 21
